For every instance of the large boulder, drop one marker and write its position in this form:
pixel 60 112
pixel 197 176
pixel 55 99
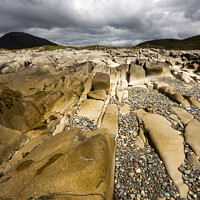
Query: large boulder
pixel 137 75
pixel 65 167
pixel 110 119
pixel 168 143
pixel 10 141
pixel 101 81
pixel 158 70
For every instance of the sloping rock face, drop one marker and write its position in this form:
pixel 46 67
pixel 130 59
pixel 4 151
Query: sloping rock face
pixel 10 141
pixel 68 165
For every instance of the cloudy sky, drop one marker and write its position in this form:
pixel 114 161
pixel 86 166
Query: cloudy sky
pixel 103 22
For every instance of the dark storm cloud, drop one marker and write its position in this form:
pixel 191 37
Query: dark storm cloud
pixel 106 22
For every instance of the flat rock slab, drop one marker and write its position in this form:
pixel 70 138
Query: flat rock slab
pixel 110 119
pixel 192 135
pixel 91 109
pixel 168 143
pixel 183 115
pixel 68 167
pixel 99 95
pixel 125 109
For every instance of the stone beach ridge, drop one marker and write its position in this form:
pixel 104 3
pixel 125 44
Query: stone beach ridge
pixel 88 124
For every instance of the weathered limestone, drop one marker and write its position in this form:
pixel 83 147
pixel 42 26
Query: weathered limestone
pixel 192 100
pixel 91 109
pixel 110 119
pixel 173 95
pixel 169 145
pixel 139 142
pixel 137 75
pixel 101 81
pixel 23 152
pixel 41 61
pixel 159 71
pixel 61 126
pixel 27 112
pixel 153 71
pixel 183 115
pixel 67 165
pixel 183 76
pixel 119 95
pixel 87 87
pixel 125 109
pixel 64 103
pixel 193 159
pixel 10 141
pixel 123 69
pixel 98 94
pixel 192 135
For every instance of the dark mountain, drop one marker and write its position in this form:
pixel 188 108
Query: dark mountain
pixel 19 40
pixel 192 43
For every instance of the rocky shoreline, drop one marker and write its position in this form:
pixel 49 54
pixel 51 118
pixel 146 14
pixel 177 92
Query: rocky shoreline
pixel 87 124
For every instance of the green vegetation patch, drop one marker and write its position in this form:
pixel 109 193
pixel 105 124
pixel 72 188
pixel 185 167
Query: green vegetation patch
pixel 8 97
pixel 40 126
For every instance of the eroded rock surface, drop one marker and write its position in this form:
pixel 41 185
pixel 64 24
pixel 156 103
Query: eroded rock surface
pixel 169 145
pixel 43 94
pixel 68 165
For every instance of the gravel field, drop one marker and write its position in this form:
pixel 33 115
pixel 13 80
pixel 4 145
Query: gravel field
pixel 140 173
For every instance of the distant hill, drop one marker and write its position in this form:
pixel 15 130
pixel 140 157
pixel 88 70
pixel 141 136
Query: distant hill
pixel 192 43
pixel 19 40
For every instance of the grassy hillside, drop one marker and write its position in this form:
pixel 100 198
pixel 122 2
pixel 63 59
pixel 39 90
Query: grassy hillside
pixel 19 40
pixel 192 43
